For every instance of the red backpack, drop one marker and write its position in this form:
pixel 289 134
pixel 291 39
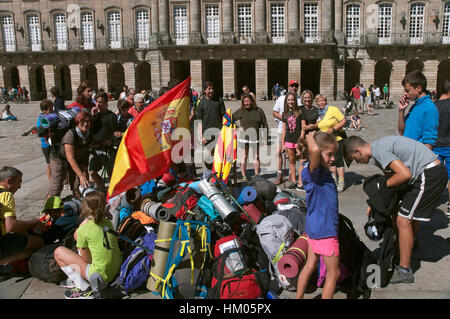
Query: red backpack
pixel 184 200
pixel 232 279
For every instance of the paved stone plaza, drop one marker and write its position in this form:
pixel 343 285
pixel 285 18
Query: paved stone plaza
pixel 431 262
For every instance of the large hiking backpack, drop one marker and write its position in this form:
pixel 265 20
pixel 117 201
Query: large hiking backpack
pixel 232 278
pixel 183 202
pixel 42 263
pixel 188 254
pixel 131 228
pixel 276 235
pixel 136 268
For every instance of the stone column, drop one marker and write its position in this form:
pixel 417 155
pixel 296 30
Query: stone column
pixel 261 77
pixel 293 22
pixel 195 19
pixel 368 72
pixel 340 79
pixel 260 22
pixel 165 71
pixel 155 67
pixel 164 21
pixel 24 78
pixel 227 36
pixel 155 22
pixel 102 76
pixel 75 78
pixel 228 77
pixel 196 74
pixel 2 81
pixel 327 78
pixel 327 19
pixel 430 70
pixel 338 22
pixel 130 74
pixel 397 75
pixel 294 71
pixel 49 74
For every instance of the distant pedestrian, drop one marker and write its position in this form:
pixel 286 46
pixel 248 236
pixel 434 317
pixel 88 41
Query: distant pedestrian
pixel 356 94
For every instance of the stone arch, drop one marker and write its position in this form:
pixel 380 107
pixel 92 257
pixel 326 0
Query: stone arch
pixel 143 76
pixel 116 79
pixel 38 90
pixel 89 73
pixel 11 77
pixel 63 81
pixel 414 65
pixel 383 70
pixel 352 74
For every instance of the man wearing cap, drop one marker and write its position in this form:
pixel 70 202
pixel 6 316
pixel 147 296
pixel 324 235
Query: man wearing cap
pixel 278 114
pixel 63 217
pixel 15 242
pixel 420 174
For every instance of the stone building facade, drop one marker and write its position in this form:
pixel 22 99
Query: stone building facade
pixel 325 45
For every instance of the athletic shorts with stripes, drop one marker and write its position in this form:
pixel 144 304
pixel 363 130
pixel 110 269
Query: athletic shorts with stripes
pixel 421 198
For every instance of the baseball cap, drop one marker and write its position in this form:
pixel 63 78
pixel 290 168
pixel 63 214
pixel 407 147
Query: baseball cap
pixel 293 82
pixel 53 202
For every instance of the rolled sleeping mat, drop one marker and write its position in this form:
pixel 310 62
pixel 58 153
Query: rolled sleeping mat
pixel 49 120
pixel 132 196
pixel 294 259
pixel 160 256
pixel 220 203
pixel 247 195
pixel 254 213
pixel 163 214
pixel 150 207
pixel 281 198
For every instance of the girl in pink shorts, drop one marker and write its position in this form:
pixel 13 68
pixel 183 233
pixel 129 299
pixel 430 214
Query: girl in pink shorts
pixel 322 216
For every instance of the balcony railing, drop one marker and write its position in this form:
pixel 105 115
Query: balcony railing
pixel 399 39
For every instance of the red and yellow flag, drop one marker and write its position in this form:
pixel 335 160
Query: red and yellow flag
pixel 145 150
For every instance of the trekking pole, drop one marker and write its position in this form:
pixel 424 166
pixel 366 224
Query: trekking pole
pixel 106 229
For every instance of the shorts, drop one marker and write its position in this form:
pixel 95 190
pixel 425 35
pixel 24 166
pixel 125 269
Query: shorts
pixel 338 157
pixel 11 244
pixel 46 151
pixel 421 198
pixel 290 145
pixel 328 246
pixel 444 156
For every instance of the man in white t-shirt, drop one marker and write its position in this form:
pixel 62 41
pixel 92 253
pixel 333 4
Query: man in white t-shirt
pixel 377 92
pixel 277 114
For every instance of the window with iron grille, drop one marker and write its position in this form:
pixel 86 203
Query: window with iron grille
pixel 212 24
pixel 9 38
pixel 416 26
pixel 277 14
pixel 384 23
pixel 60 31
pixel 446 24
pixel 353 24
pixel 180 24
pixel 115 31
pixel 245 22
pixel 143 28
pixel 87 30
pixel 311 22
pixel 34 32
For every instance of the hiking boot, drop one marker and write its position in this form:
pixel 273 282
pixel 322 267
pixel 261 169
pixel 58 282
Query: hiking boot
pixel 243 179
pixel 340 187
pixel 278 179
pixel 402 276
pixel 77 293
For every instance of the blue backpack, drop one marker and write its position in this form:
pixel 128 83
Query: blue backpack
pixel 135 269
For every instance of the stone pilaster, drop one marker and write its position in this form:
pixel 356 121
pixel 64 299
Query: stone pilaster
pixel 227 36
pixel 195 18
pixel 340 79
pixel 129 71
pixel 368 72
pixel 260 22
pixel 228 71
pixel 327 81
pixel 2 81
pixel 295 70
pixel 155 68
pixel 24 78
pixel 49 74
pixel 155 22
pixel 327 19
pixel 293 22
pixel 165 71
pixel 164 21
pixel 397 75
pixel 102 76
pixel 430 71
pixel 196 74
pixel 261 77
pixel 75 78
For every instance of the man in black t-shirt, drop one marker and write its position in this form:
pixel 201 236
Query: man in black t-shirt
pixel 210 113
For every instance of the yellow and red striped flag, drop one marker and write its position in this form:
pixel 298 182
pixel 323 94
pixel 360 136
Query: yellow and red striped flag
pixel 145 150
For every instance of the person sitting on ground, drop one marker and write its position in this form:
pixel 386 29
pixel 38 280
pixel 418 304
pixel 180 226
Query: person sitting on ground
pixel 58 103
pixel 15 241
pixel 99 257
pixel 409 164
pixel 355 122
pixel 84 97
pixel 7 115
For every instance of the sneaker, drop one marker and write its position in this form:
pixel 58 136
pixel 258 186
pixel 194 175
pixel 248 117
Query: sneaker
pixel 401 276
pixel 340 187
pixel 278 179
pixel 68 284
pixel 77 293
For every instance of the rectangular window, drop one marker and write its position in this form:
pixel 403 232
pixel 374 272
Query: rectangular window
pixel 9 38
pixel 180 25
pixel 353 24
pixel 446 24
pixel 143 28
pixel 115 30
pixel 245 23
pixel 87 30
pixel 212 24
pixel 384 23
pixel 60 31
pixel 311 22
pixel 416 23
pixel 277 14
pixel 34 32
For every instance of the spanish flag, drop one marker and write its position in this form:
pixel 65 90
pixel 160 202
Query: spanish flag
pixel 145 150
pixel 225 153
